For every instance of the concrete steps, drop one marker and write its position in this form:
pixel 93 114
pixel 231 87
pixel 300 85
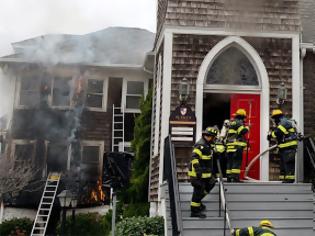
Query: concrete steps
pixel 289 206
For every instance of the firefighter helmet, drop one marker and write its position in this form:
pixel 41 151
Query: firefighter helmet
pixel 240 112
pixel 276 112
pixel 210 131
pixel 266 223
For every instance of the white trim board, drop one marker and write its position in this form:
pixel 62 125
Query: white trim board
pixel 261 71
pixel 195 30
pixel 166 99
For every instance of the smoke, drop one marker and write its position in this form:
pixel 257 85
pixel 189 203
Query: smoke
pixel 116 45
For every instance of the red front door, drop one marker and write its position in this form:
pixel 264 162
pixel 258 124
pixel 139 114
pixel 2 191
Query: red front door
pixel 251 103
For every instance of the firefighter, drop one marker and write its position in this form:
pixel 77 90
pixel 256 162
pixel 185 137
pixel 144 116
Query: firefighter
pixel 219 154
pixel 235 144
pixel 200 171
pixel 264 229
pixel 286 136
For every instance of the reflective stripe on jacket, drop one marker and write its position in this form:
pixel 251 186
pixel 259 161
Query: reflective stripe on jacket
pixel 202 158
pixel 254 231
pixel 285 134
pixel 236 135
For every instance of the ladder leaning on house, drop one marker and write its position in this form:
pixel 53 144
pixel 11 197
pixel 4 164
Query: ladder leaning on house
pixel 46 204
pixel 118 133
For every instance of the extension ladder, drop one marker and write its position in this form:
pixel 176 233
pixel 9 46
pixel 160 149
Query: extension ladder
pixel 118 132
pixel 46 204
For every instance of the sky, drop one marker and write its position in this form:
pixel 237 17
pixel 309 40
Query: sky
pixel 23 19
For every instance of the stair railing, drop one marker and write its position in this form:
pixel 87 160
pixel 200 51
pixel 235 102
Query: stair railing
pixel 223 202
pixel 170 174
pixel 310 149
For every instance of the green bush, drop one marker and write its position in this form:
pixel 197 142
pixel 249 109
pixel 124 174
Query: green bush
pixel 140 226
pixel 90 224
pixel 136 209
pixel 16 226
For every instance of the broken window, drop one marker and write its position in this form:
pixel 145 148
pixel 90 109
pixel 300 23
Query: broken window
pixel 95 93
pixel 135 90
pixel 232 67
pixel 30 91
pixel 90 163
pixel 61 91
pixel 57 157
pixel 23 154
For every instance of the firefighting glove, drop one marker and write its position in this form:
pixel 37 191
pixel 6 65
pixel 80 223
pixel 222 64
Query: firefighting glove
pixel 198 170
pixel 300 136
pixel 269 136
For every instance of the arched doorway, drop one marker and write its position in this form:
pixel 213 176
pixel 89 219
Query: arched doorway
pixel 233 75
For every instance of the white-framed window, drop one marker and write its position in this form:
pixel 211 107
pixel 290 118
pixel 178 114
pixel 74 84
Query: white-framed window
pixel 23 152
pixel 91 160
pixel 96 94
pixel 60 92
pixel 133 91
pixel 29 92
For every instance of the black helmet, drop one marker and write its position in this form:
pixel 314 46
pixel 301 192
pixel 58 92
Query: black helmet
pixel 210 131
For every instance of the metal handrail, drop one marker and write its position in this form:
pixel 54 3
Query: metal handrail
pixel 312 157
pixel 223 200
pixel 173 187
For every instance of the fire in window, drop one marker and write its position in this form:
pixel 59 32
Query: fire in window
pixel 135 90
pixel 61 92
pixel 30 91
pixel 90 163
pixel 95 93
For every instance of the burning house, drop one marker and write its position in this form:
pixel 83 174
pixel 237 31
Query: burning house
pixel 233 53
pixel 65 94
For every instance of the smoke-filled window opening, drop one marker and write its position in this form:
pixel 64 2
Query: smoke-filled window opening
pixel 61 91
pixel 29 91
pixel 134 91
pixel 91 161
pixel 57 157
pixel 95 93
pixel 232 67
pixel 23 153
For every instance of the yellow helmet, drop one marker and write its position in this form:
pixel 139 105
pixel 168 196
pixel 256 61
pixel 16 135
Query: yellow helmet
pixel 266 223
pixel 240 112
pixel 276 112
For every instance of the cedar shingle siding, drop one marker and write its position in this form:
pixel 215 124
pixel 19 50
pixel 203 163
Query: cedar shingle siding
pixel 155 162
pixel 258 15
pixel 190 50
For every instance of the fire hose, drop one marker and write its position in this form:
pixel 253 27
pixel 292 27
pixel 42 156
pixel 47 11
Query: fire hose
pixel 301 138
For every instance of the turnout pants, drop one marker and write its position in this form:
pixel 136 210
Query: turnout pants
pixel 222 160
pixel 287 164
pixel 201 188
pixel 234 163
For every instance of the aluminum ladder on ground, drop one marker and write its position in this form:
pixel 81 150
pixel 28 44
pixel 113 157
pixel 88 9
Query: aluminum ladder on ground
pixel 46 204
pixel 118 132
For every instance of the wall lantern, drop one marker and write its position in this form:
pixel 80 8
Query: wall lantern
pixel 65 198
pixel 184 89
pixel 282 94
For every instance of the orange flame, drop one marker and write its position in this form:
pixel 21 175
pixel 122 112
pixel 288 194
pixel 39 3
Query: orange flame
pixel 97 193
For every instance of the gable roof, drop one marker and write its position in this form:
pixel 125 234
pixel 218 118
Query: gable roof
pixel 111 46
